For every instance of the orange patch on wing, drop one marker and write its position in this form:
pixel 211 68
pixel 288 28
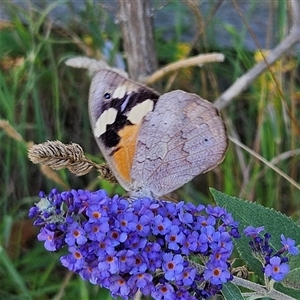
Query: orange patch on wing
pixel 123 157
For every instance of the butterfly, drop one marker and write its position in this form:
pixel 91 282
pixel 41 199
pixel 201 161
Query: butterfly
pixel 153 143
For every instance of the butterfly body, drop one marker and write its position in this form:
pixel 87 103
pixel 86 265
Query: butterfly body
pixel 154 144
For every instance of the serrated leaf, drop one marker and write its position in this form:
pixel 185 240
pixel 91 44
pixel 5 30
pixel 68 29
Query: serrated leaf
pixel 249 213
pixel 231 291
pixel 294 260
pixel 292 280
pixel 287 291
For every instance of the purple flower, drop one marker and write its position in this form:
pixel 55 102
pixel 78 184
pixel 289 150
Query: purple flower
pixel 289 245
pixel 185 217
pixel 252 231
pixel 201 242
pixel 103 247
pixel 135 242
pixel 174 238
pixel 119 286
pixel 95 212
pixel 215 211
pixel 186 277
pixel 153 252
pixel 161 225
pixel 183 294
pixel 217 272
pixel 94 232
pixel 139 265
pixel 75 234
pixel 47 236
pixel 109 263
pixel 73 261
pixel 164 291
pixel 142 227
pixel 209 231
pixel 276 269
pixel 142 281
pixel 125 246
pixel 275 264
pixel 222 242
pixel 117 236
pixel 204 220
pixel 33 212
pixel 126 221
pixel 90 272
pixel 126 260
pixel 173 265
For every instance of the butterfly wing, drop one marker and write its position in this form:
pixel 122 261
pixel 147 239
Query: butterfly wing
pixel 117 107
pixel 182 137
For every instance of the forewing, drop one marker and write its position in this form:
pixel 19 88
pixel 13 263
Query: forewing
pixel 117 107
pixel 183 137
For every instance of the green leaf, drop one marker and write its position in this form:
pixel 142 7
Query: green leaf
pixel 292 278
pixel 287 291
pixel 249 213
pixel 294 260
pixel 231 291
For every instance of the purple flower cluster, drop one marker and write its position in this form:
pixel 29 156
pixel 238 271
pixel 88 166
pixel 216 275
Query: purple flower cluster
pixel 275 264
pixel 166 250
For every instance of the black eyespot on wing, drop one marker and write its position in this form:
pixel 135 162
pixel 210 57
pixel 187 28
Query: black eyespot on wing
pixel 107 96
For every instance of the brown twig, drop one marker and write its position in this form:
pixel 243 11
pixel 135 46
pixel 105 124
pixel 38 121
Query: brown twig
pixel 198 60
pixel 135 19
pixel 92 65
pixel 10 131
pixel 286 44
